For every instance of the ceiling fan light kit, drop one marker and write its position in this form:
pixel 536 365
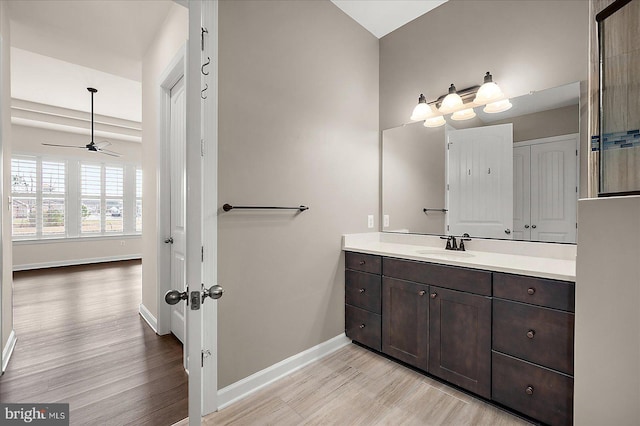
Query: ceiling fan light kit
pixel 91 146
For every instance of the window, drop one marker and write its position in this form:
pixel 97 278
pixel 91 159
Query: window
pixel 62 199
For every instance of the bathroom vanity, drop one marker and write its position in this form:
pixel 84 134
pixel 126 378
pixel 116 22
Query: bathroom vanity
pixel 496 320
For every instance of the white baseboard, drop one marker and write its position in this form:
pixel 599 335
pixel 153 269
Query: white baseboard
pixel 149 318
pixel 257 381
pixel 72 262
pixel 8 350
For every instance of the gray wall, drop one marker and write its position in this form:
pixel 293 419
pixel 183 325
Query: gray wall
pixel 554 122
pixel 298 124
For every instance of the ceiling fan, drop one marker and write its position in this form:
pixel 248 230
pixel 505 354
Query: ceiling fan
pixel 91 146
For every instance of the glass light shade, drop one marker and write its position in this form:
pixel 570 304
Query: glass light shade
pixel 465 114
pixel 450 103
pixel 488 92
pixel 436 121
pixel 496 107
pixel 421 112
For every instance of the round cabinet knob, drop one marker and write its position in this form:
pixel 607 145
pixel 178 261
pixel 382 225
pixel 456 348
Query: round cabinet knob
pixel 531 290
pixel 421 292
pixel 361 325
pixel 531 333
pixel 434 295
pixel 507 231
pixel 534 226
pixel 361 290
pixel 362 262
pixel 529 390
pixel 526 227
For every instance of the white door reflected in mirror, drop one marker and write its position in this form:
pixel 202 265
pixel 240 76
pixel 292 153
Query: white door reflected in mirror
pixel 479 196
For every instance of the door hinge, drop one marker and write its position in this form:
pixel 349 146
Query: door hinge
pixel 576 189
pixel 202 253
pixel 201 147
pixel 576 152
pixel 447 227
pixel 447 187
pixel 204 354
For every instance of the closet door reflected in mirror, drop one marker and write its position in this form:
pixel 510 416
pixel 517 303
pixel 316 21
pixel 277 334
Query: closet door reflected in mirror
pixel 545 189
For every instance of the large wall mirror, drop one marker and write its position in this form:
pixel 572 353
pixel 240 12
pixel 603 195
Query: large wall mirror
pixel 511 175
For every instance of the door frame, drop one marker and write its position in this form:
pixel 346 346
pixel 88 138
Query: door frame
pixel 176 70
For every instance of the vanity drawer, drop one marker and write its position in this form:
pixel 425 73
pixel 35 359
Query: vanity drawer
pixel 453 277
pixel 540 335
pixel 363 262
pixel 537 291
pixel 363 326
pixel 535 391
pixel 363 290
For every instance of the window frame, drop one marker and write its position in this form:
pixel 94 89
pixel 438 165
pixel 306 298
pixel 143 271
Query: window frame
pixel 73 197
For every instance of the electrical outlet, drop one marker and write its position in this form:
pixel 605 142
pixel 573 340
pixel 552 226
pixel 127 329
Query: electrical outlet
pixel 386 221
pixel 370 221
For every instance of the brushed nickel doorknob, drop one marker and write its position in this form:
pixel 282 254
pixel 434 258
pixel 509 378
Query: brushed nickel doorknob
pixel 174 296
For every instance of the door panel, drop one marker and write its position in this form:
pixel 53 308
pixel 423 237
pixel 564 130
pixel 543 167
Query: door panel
pixel 178 203
pixel 460 339
pixel 405 321
pixel 553 191
pixel 521 193
pixel 480 179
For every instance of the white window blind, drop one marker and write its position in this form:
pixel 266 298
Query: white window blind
pixel 67 199
pixel 24 188
pixel 53 197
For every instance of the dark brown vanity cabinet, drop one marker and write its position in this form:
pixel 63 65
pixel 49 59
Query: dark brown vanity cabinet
pixel 533 325
pixel 438 318
pixel 460 339
pixel 505 337
pixel 405 321
pixel 363 306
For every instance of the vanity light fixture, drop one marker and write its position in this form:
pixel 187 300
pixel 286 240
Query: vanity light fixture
pixel 465 114
pixel 422 110
pixel 451 102
pixel 488 92
pixel 436 121
pixel 459 104
pixel 499 106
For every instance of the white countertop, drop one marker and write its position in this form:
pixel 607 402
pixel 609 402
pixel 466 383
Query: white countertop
pixel 539 259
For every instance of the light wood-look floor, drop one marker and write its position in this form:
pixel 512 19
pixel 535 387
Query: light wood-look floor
pixel 82 341
pixel 354 386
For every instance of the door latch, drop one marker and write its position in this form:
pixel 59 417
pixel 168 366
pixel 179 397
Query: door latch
pixel 195 300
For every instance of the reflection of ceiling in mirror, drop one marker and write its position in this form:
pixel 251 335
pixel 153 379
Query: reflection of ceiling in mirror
pixel 543 100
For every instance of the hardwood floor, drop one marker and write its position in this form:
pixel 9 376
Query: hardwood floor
pixel 81 341
pixel 354 386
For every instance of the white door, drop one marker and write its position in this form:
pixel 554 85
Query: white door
pixel 554 190
pixel 522 193
pixel 480 181
pixel 177 160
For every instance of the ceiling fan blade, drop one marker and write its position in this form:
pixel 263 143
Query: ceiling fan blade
pixel 64 146
pixel 103 144
pixel 107 152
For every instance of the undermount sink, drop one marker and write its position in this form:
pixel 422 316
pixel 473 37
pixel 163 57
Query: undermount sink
pixel 445 253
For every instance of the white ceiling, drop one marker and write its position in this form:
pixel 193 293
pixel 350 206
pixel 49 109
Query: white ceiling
pixel 61 47
pixel 381 17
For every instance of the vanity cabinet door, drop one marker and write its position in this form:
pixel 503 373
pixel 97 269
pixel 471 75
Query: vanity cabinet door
pixel 460 339
pixel 405 319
